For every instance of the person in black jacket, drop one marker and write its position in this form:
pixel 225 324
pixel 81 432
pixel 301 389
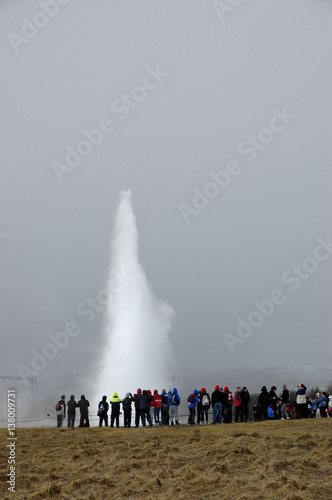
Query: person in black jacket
pixel 217 401
pixel 102 411
pixel 71 411
pixel 126 406
pixel 144 404
pixel 164 408
pixel 263 401
pixel 137 408
pixel 60 411
pixel 83 405
pixel 273 400
pixel 245 399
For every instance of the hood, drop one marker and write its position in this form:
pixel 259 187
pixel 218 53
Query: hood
pixel 203 389
pixel 149 392
pixel 225 388
pixel 83 397
pixel 72 397
pixel 155 391
pixel 144 391
pixel 264 389
pixel 175 391
pixel 115 395
pixel 216 388
pixel 195 392
pixel 127 395
pixel 104 398
pixel 139 392
pixel 164 393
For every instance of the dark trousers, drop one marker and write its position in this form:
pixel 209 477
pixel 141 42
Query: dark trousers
pixel 245 413
pixel 127 418
pixel 71 420
pixel 145 414
pixel 227 414
pixel 191 419
pixel 137 415
pixel 323 413
pixel 204 412
pixel 165 415
pixel 84 421
pixel 115 416
pixel 103 418
pixel 59 420
pixel 157 415
pixel 237 413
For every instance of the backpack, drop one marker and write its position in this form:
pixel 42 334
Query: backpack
pixel 205 400
pixel 191 398
pixel 58 406
pixel 229 398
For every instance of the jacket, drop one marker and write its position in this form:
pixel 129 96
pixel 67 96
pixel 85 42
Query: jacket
pixel 174 398
pixel 193 404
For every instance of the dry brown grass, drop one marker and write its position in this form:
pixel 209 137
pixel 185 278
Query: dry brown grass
pixel 265 460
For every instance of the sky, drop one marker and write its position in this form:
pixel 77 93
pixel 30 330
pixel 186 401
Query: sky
pixel 217 116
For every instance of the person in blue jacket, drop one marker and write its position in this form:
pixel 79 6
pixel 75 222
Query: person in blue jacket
pixel 322 404
pixel 192 407
pixel 174 403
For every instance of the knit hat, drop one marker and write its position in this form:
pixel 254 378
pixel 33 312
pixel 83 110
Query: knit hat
pixel 216 388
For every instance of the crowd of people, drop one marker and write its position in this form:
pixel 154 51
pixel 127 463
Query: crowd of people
pixel 163 408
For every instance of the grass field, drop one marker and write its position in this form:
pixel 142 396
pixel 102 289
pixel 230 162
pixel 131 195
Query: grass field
pixel 265 460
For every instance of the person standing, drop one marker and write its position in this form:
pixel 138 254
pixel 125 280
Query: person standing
pixel 102 412
pixel 263 401
pixel 164 408
pixel 126 406
pixel 144 404
pixel 193 399
pixel 284 402
pixel 322 404
pixel 273 400
pixel 60 411
pixel 83 405
pixel 205 405
pixel 237 405
pixel 157 406
pixel 227 406
pixel 245 400
pixel 217 400
pixel 115 415
pixel 174 403
pixel 301 400
pixel 137 408
pixel 71 411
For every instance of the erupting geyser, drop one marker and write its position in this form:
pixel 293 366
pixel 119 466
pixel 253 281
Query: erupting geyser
pixel 137 350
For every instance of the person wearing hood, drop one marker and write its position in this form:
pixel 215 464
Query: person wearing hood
pixel 192 406
pixel 174 403
pixel 263 401
pixel 322 404
pixel 71 411
pixel 164 408
pixel 83 405
pixel 151 405
pixel 144 404
pixel 227 407
pixel 284 402
pixel 245 399
pixel 237 405
pixel 217 400
pixel 115 404
pixel 126 406
pixel 102 412
pixel 137 408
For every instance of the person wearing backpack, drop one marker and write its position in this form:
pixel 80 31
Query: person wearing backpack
pixel 83 405
pixel 164 408
pixel 205 405
pixel 71 411
pixel 102 412
pixel 174 403
pixel 60 408
pixel 144 404
pixel 126 406
pixel 192 399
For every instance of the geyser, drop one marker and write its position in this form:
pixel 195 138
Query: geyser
pixel 137 350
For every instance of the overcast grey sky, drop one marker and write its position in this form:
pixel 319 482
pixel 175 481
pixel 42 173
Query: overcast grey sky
pixel 184 92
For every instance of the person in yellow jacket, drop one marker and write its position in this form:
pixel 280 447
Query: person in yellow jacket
pixel 115 403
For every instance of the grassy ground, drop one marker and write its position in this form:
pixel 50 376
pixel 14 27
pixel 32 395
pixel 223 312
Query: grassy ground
pixel 265 460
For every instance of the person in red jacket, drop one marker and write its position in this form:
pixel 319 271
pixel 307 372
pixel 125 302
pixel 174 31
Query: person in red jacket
pixel 237 405
pixel 227 407
pixel 157 406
